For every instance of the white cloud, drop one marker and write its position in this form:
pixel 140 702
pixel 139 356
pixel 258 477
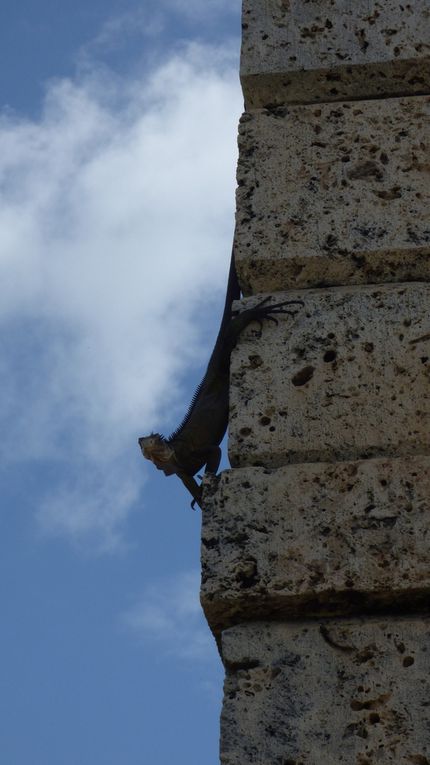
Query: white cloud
pixel 116 214
pixel 169 614
pixel 203 8
pixel 89 507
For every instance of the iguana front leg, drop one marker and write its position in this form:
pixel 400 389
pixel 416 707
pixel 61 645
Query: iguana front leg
pixel 192 486
pixel 211 457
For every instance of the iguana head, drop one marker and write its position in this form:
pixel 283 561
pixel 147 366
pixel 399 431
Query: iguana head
pixel 157 450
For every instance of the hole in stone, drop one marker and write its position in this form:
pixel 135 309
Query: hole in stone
pixel 408 661
pixel 330 356
pixel 302 377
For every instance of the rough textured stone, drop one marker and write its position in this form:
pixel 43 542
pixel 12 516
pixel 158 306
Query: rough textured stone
pixel 334 194
pixel 333 49
pixel 347 692
pixel 346 378
pixel 316 539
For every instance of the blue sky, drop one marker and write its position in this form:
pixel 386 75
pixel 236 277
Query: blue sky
pixel 117 160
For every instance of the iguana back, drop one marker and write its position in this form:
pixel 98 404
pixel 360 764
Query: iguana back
pixel 208 409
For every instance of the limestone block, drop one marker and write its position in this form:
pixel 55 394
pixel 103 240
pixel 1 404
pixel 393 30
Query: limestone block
pixel 344 692
pixel 346 378
pixel 334 194
pixel 312 539
pixel 296 51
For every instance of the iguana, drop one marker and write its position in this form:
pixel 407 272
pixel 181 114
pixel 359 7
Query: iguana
pixel 196 442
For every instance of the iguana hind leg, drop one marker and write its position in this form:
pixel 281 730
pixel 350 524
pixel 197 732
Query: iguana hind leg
pixel 277 307
pixel 259 312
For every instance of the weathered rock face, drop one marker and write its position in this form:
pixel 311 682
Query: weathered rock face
pixel 349 691
pixel 334 194
pixel 326 50
pixel 315 555
pixel 328 384
pixel 316 538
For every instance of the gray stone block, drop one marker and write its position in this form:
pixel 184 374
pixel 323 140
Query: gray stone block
pixel 316 539
pixel 334 194
pixel 345 692
pixel 346 378
pixel 323 50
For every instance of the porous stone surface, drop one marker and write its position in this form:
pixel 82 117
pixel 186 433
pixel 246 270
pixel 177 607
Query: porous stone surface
pixel 345 378
pixel 334 194
pixel 349 537
pixel 296 51
pixel 353 692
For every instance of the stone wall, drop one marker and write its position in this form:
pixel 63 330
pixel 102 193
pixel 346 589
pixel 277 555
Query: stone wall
pixel 315 545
